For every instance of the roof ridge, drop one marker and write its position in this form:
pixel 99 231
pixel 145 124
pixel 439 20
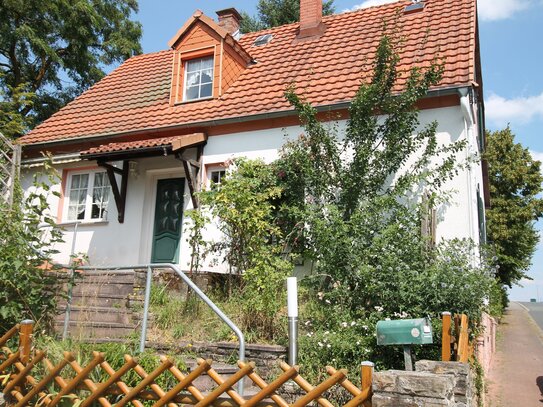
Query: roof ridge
pixel 326 17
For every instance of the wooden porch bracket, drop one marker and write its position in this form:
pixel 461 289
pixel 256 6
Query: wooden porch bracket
pixel 119 195
pixel 192 169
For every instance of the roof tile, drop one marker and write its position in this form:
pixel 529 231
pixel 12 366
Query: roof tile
pixel 329 70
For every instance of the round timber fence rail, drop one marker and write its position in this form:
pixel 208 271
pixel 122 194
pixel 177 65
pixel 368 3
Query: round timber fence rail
pixel 28 377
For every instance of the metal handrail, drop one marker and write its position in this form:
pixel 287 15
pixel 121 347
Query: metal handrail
pixel 175 268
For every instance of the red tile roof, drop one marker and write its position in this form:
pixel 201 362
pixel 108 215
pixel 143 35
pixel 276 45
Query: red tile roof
pixel 135 96
pixel 131 145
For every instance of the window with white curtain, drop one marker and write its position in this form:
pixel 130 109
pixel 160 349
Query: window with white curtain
pixel 88 196
pixel 198 78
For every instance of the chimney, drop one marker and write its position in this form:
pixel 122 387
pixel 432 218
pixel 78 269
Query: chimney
pixel 229 19
pixel 311 19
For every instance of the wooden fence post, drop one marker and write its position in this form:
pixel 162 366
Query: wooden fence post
pixel 463 340
pixel 366 376
pixel 446 337
pixel 25 340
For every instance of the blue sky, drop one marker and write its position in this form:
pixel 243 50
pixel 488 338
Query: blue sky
pixel 511 35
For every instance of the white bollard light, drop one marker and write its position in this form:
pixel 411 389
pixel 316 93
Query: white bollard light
pixel 292 311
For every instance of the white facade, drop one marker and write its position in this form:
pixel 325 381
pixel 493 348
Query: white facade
pixel 108 242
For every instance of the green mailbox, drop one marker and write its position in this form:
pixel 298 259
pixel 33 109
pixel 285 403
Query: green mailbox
pixel 404 332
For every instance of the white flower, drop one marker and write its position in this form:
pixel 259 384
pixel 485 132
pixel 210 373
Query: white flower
pixel 358 342
pixel 328 346
pixel 344 324
pixel 353 323
pixel 320 344
pixel 327 301
pixel 387 319
pixel 326 332
pixel 309 334
pixel 320 294
pixel 378 308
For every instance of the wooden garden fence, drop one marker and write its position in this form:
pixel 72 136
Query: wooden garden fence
pixel 68 383
pixel 455 343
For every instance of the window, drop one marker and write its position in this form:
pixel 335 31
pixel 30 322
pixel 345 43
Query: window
pixel 198 78
pixel 88 196
pixel 481 217
pixel 216 176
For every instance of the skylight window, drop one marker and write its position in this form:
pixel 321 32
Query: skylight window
pixel 263 40
pixel 198 78
pixel 417 5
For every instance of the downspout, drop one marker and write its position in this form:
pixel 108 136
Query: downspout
pixel 469 124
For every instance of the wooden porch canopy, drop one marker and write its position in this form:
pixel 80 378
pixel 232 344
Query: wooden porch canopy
pixel 125 151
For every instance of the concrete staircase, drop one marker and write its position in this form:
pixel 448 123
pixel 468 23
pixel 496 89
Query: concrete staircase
pixel 100 307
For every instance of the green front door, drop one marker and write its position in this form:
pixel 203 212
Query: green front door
pixel 168 220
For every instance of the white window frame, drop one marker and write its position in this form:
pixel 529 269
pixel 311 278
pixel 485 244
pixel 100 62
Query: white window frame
pixel 185 87
pixel 88 200
pixel 210 169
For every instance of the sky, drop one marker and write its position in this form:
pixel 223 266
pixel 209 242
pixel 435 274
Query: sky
pixel 511 34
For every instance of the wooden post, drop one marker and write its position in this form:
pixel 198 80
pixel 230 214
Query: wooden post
pixel 463 340
pixel 25 340
pixel 446 337
pixel 366 375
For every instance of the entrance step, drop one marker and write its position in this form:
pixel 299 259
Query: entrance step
pixel 114 301
pixel 84 330
pixel 97 314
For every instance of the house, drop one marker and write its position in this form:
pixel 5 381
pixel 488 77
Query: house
pixel 134 148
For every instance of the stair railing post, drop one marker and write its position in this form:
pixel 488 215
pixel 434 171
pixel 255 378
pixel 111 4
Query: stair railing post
pixel 25 340
pixel 146 308
pixel 70 286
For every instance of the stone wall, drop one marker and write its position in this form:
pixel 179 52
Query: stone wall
pixel 433 384
pixel 266 357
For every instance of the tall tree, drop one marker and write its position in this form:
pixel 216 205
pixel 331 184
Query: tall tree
pixel 273 13
pixel 53 50
pixel 515 182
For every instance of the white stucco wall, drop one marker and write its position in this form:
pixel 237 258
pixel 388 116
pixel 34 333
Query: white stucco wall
pixel 129 243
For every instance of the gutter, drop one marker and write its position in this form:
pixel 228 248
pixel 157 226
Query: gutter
pixel 232 120
pixel 57 159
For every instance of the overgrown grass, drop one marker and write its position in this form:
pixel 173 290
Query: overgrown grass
pixel 191 320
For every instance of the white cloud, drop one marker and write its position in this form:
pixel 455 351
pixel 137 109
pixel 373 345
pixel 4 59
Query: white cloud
pixel 370 3
pixel 522 110
pixel 537 155
pixel 492 10
pixel 489 10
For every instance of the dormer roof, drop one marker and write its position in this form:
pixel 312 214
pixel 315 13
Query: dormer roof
pixel 199 16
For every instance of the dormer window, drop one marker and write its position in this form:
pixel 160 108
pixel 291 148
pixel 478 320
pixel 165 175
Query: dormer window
pixel 198 78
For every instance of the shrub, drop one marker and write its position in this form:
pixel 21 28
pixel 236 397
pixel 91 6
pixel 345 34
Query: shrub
pixel 26 288
pixel 243 207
